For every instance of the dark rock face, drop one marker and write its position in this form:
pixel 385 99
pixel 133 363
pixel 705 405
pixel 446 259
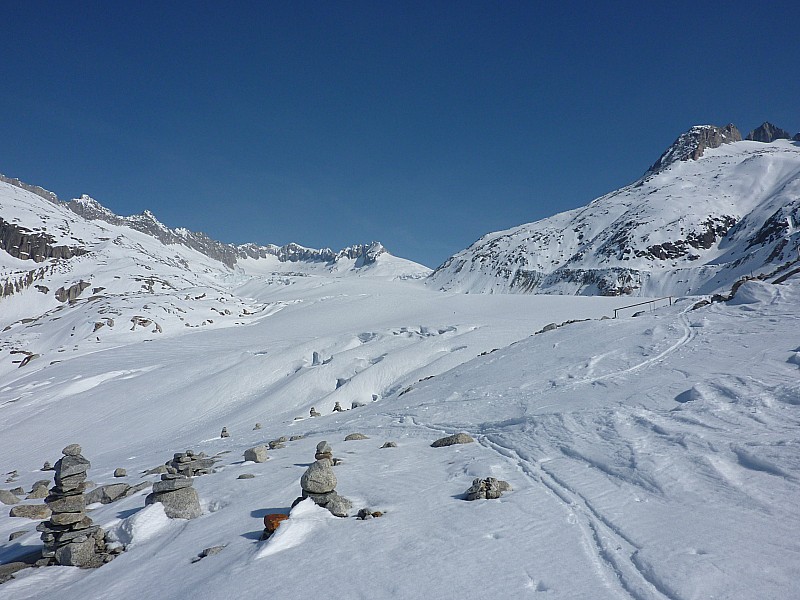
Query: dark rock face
pixel 72 292
pixel 25 244
pixel 767 133
pixel 692 144
pixel 365 254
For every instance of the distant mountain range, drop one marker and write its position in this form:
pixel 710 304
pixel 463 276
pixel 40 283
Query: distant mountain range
pixel 711 209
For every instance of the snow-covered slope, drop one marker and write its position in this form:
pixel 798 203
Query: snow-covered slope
pixel 124 279
pixel 700 218
pixel 650 458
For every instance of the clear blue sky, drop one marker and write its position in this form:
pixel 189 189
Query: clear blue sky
pixel 420 124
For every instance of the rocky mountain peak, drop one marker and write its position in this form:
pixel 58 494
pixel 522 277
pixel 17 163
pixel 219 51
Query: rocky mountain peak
pixel 691 144
pixel 767 132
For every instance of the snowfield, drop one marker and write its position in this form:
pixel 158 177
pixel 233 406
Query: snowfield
pixel 651 457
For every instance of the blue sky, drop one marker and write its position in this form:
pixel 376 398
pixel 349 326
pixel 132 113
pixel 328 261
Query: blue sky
pixel 420 124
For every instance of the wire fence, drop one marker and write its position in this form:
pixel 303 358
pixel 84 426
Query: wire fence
pixel 651 304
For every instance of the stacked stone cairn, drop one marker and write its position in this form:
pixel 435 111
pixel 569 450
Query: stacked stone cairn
pixel 319 483
pixel 70 537
pixel 190 464
pixel 176 493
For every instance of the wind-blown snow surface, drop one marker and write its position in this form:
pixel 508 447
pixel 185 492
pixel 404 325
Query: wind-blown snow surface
pixel 694 227
pixel 651 457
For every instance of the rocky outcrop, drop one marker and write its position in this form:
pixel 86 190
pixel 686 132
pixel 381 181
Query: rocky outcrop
pixel 34 189
pixel 692 144
pixel 767 132
pixel 71 293
pixel 37 246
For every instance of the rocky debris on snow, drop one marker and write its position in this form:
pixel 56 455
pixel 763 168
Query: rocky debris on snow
pixel 319 483
pixel 47 466
pixel 278 443
pixel 294 438
pixel 246 476
pixel 179 498
pixel 12 476
pixel 356 404
pixel 337 407
pixel 368 513
pixel 190 464
pixel 70 538
pixel 256 454
pixel 313 412
pixel 224 433
pixel 488 489
pixel 271 523
pixel 36 512
pixel 39 490
pixel 450 440
pixel 120 472
pixel 257 427
pixel 355 436
pixel 6 497
pixel 15 534
pixel 208 552
pixel 389 445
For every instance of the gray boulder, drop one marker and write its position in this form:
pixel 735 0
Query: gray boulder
pixel 339 506
pixel 178 504
pixel 170 483
pixel 120 472
pixel 257 454
pixel 72 450
pixel 106 494
pixel 355 436
pixel 489 489
pixel 30 511
pixel 78 554
pixel 389 445
pixel 7 497
pixel 319 478
pixel 450 440
pixel 71 465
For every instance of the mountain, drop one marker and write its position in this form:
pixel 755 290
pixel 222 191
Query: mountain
pixel 712 209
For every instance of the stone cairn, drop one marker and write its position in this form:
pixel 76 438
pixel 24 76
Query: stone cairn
pixel 488 489
pixel 176 493
pixel 70 537
pixel 190 464
pixel 319 483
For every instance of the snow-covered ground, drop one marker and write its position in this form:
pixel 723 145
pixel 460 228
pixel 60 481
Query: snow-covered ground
pixel 652 457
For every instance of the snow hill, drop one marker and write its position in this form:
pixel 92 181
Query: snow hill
pixel 712 209
pixel 651 458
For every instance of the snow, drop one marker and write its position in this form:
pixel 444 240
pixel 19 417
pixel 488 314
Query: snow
pixel 652 457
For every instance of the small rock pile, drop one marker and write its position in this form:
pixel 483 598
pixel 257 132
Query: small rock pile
pixel 190 464
pixel 176 493
pixel 319 483
pixel 70 537
pixel 489 489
